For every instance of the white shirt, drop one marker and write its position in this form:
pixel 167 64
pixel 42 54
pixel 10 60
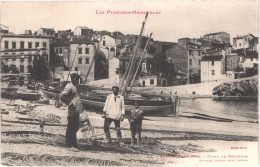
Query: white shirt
pixel 114 106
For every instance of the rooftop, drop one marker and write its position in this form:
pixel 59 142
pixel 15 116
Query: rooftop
pixel 221 32
pixel 47 29
pixel 243 36
pixel 212 58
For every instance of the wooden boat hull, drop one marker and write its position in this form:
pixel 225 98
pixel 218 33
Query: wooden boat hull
pixel 23 96
pixel 149 107
pixel 96 103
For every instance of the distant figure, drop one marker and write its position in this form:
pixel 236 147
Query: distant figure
pixel 71 98
pixel 114 111
pixel 135 119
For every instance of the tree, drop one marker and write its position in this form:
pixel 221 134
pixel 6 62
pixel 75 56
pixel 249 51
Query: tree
pixel 40 70
pixel 101 66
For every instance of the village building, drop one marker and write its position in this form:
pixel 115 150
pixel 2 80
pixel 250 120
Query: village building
pixel 148 80
pixel 83 31
pixel 4 29
pixel 45 32
pixel 19 51
pixel 218 36
pixel 220 67
pixel 186 59
pixel 81 54
pixel 242 42
pixel 64 34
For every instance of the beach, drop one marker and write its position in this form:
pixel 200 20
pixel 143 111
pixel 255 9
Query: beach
pixel 167 141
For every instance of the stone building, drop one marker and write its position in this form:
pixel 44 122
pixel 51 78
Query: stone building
pixel 242 42
pixel 20 50
pixel 218 36
pixel 83 31
pixel 82 51
pixel 45 32
pixel 186 60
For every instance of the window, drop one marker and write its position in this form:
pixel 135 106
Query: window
pixel 22 59
pixel 212 72
pixel 14 59
pixel 44 44
pixel 199 53
pixel 37 44
pixel 251 58
pixel 190 61
pixel 76 68
pixel 29 45
pixel 29 68
pixel 151 81
pixel 60 51
pixel 21 45
pixel 13 45
pixel 21 68
pixel 30 59
pixel 57 51
pixel 79 60
pixel 199 62
pixel 245 39
pixel 190 52
pixel 212 62
pixel 89 33
pixel 87 50
pixel 239 44
pixel 87 60
pixel 80 50
pixel 6 44
pixel 104 43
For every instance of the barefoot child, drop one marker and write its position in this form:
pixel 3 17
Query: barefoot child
pixel 135 119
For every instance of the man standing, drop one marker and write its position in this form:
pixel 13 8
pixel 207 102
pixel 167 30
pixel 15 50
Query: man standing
pixel 70 97
pixel 114 111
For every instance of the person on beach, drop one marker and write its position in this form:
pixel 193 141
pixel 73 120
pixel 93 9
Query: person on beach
pixel 135 118
pixel 114 111
pixel 71 98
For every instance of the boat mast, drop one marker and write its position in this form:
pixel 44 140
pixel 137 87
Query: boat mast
pixel 144 52
pixel 132 60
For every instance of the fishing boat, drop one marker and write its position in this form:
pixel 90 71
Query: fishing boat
pixel 93 98
pixel 16 94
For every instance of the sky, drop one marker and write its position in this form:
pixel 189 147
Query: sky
pixel 177 19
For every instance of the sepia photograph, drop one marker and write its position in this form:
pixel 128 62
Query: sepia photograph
pixel 129 83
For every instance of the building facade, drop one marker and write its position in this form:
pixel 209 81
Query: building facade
pixel 45 32
pixel 242 42
pixel 83 31
pixel 186 59
pixel 20 50
pixel 219 36
pixel 81 56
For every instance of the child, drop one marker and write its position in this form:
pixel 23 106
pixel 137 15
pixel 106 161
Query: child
pixel 135 119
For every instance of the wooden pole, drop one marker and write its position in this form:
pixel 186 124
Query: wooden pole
pixel 132 82
pixel 133 59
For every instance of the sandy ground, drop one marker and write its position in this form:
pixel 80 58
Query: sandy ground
pixel 167 141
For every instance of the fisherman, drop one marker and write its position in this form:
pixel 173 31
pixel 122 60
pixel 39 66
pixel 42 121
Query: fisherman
pixel 135 118
pixel 71 98
pixel 114 111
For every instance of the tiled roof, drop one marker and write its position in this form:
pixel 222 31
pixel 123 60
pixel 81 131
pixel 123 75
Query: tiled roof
pixel 47 29
pixel 81 40
pixel 243 36
pixel 215 33
pixel 212 57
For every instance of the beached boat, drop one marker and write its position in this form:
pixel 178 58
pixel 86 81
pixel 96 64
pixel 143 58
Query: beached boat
pixel 156 106
pixel 14 94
